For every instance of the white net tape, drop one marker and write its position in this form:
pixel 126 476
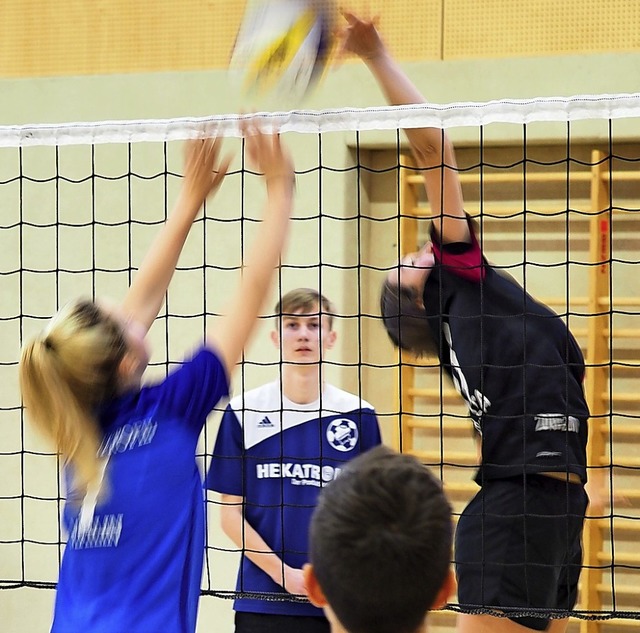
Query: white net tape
pixel 577 108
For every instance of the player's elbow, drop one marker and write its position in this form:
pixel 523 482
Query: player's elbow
pixel 433 150
pixel 230 517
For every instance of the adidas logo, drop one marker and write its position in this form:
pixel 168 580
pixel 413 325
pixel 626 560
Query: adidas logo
pixel 265 422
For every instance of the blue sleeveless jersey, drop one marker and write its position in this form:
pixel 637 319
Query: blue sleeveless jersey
pixel 137 566
pixel 277 455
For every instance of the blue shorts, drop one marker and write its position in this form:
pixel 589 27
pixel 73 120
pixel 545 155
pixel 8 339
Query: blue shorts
pixel 518 547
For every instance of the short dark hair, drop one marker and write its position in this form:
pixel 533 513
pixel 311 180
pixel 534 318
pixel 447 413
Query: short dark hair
pixel 405 320
pixel 380 542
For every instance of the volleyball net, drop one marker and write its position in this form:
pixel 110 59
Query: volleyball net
pixel 554 184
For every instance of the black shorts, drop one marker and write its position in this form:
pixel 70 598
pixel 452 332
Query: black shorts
pixel 272 623
pixel 518 546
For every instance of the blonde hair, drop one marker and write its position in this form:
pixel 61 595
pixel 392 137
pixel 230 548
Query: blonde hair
pixel 65 373
pixel 305 299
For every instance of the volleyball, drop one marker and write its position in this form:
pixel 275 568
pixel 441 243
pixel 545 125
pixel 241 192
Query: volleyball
pixel 283 47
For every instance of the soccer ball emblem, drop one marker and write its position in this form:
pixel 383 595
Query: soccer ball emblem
pixel 342 435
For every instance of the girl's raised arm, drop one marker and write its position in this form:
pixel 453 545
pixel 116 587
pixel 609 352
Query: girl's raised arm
pixel 232 331
pixel 203 173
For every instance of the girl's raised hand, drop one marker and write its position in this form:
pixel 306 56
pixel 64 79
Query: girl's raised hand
pixel 267 155
pixel 204 170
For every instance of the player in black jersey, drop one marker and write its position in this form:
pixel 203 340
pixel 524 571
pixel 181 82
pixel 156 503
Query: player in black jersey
pixel 518 542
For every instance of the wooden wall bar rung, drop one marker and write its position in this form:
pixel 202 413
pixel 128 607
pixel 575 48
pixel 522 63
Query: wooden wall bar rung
pixel 622 398
pixel 495 177
pixel 450 426
pixel 631 560
pixel 448 396
pixel 459 458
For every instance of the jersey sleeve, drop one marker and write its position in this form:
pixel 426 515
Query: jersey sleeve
pixel 194 389
pixel 227 462
pixel 463 259
pixel 370 430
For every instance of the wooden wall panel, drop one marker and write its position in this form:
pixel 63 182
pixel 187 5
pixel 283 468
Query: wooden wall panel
pixel 503 28
pixel 78 37
pixel 40 38
pixel 411 28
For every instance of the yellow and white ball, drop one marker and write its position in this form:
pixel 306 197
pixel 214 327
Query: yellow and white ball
pixel 283 47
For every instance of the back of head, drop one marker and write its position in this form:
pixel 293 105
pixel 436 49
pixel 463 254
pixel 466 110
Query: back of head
pixel 380 543
pixel 405 320
pixel 304 300
pixel 65 373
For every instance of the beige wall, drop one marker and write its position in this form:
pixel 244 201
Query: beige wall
pixel 197 93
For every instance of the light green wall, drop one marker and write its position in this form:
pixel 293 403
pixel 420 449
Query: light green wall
pixel 166 95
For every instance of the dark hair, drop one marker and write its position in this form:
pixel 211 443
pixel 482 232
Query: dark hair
pixel 380 542
pixel 405 320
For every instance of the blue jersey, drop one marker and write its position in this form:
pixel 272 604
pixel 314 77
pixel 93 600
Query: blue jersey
pixel 277 455
pixel 137 566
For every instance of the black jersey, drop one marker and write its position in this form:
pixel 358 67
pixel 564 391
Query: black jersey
pixel 515 363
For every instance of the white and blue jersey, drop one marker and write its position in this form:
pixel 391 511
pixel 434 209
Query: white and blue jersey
pixel 136 566
pixel 277 455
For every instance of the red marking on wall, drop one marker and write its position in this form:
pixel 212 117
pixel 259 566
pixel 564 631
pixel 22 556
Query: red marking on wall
pixel 604 246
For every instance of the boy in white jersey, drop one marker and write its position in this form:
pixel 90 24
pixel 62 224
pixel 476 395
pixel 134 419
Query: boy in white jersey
pixel 276 447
